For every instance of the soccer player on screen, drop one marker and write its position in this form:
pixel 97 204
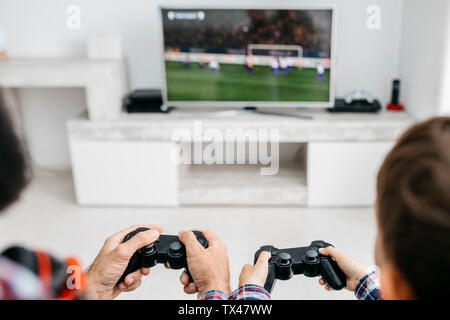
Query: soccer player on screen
pixel 249 63
pixel 214 66
pixel 187 61
pixel 274 64
pixel 320 72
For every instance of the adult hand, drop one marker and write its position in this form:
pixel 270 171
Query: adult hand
pixel 354 270
pixel 112 260
pixel 209 267
pixel 256 274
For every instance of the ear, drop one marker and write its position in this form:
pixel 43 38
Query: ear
pixel 394 285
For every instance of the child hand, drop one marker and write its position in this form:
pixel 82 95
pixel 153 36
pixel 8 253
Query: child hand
pixel 352 268
pixel 256 274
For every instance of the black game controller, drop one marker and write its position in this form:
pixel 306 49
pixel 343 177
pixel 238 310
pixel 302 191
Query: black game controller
pixel 285 263
pixel 167 250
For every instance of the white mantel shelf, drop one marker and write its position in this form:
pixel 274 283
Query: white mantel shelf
pixel 103 80
pixel 325 126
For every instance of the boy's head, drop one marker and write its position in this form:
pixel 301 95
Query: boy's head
pixel 12 163
pixel 413 214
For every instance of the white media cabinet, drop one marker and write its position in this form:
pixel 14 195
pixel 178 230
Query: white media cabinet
pixel 331 160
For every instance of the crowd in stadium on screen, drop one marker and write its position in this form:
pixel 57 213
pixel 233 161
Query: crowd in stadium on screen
pixel 250 27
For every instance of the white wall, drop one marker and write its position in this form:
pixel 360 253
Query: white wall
pixel 367 59
pixel 444 98
pixel 44 115
pixel 424 58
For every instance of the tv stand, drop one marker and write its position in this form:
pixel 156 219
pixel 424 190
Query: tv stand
pixel 331 161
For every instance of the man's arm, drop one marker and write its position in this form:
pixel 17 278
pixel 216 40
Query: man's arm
pixel 112 260
pixel 209 267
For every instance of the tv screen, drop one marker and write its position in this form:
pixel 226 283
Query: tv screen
pixel 248 57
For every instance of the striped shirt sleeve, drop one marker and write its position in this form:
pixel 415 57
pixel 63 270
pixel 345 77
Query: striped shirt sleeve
pixel 368 287
pixel 250 292
pixel 214 295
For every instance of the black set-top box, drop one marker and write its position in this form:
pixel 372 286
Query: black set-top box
pixel 145 100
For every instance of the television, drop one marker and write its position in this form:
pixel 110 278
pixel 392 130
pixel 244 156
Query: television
pixel 248 57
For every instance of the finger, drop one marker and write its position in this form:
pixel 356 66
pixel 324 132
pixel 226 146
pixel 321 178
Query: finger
pixel 322 282
pixel 145 271
pixel 332 252
pixel 190 241
pixel 132 287
pixel 132 277
pixel 184 279
pixel 246 268
pixel 327 287
pixel 191 288
pixel 118 237
pixel 263 259
pixel 127 249
pixel 210 236
pixel 166 266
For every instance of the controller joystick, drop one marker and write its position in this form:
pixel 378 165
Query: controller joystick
pixel 166 250
pixel 311 256
pixel 176 249
pixel 285 263
pixel 285 259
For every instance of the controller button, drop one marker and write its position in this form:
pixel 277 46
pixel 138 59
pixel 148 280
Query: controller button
pixel 284 259
pixel 176 248
pixel 311 256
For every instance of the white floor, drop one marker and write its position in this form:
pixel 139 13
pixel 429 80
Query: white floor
pixel 47 217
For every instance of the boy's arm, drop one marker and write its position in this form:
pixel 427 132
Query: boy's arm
pixel 252 279
pixel 214 295
pixel 363 283
pixel 368 287
pixel 250 292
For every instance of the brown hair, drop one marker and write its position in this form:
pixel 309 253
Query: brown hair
pixel 13 175
pixel 413 207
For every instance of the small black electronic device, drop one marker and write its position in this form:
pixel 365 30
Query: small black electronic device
pixel 341 105
pixel 395 92
pixel 145 100
pixel 285 263
pixel 166 250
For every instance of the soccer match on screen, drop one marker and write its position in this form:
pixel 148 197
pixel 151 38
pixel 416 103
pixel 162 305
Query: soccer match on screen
pixel 247 55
